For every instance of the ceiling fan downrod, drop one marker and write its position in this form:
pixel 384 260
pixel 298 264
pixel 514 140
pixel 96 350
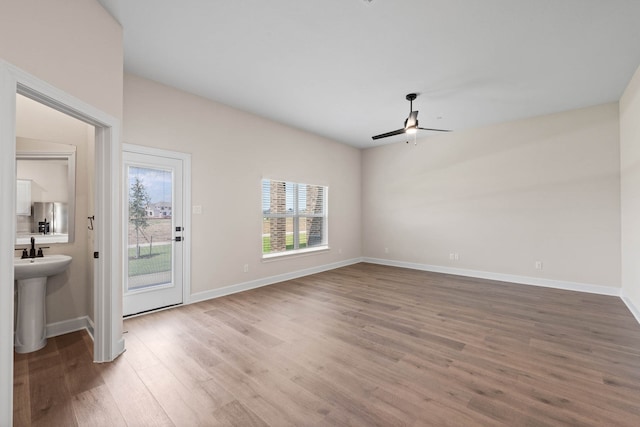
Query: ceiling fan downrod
pixel 410 97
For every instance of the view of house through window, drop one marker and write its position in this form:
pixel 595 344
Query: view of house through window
pixel 294 217
pixel 150 227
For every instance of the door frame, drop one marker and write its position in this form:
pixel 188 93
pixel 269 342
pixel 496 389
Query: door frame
pixel 108 339
pixel 186 211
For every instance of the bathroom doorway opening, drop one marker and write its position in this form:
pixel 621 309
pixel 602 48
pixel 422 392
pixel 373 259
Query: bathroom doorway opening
pixel 55 159
pixel 107 332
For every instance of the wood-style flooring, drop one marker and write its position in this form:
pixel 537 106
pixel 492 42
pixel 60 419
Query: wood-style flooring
pixel 364 345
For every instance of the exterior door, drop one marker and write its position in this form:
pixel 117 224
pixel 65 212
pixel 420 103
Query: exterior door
pixel 153 218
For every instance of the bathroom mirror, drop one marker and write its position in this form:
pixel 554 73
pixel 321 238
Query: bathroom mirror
pixel 46 190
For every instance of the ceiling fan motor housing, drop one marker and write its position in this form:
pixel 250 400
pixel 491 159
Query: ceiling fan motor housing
pixel 410 123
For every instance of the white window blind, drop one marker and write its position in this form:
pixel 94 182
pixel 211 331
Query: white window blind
pixel 294 217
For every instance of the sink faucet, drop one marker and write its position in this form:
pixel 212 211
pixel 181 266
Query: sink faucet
pixel 32 252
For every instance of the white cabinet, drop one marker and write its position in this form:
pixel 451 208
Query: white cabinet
pixel 23 197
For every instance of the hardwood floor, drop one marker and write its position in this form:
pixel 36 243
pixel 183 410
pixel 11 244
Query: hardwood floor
pixel 364 345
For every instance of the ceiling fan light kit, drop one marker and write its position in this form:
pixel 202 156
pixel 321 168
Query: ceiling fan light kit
pixel 410 124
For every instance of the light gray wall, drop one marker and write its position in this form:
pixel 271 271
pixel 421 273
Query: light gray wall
pixel 231 152
pixel 74 45
pixel 502 197
pixel 630 191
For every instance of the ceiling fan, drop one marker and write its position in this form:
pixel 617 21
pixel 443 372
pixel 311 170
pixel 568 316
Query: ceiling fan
pixel 410 124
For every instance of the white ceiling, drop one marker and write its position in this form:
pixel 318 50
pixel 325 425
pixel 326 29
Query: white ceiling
pixel 342 68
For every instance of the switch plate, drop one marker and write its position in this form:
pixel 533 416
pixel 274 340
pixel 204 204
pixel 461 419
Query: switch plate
pixel 538 265
pixel 197 209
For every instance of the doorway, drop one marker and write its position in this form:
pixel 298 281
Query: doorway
pixel 155 258
pixel 108 340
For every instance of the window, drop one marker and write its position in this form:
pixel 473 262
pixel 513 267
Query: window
pixel 294 217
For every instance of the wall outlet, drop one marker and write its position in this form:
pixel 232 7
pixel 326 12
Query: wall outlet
pixel 339 250
pixel 246 268
pixel 386 250
pixel 457 257
pixel 538 265
pixel 452 256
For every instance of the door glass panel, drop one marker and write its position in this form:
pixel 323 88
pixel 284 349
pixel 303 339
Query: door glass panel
pixel 150 226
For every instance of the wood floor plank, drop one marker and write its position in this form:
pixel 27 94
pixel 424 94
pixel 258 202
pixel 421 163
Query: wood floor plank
pixel 247 391
pixel 245 328
pixel 184 406
pixel 362 345
pixel 21 394
pixel 451 414
pixel 50 398
pixel 138 354
pixel 358 407
pixel 96 407
pixel 131 394
pixel 81 374
pixel 235 414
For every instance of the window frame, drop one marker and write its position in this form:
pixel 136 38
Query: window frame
pixel 296 217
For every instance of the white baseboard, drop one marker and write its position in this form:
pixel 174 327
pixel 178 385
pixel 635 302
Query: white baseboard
pixel 71 325
pixel 84 322
pixel 90 328
pixel 632 308
pixel 512 278
pixel 228 290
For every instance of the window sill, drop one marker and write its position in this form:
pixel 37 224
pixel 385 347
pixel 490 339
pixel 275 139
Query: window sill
pixel 293 254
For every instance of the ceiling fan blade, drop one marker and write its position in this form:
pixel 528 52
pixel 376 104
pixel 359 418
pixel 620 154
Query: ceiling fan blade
pixel 436 130
pixel 392 133
pixel 412 120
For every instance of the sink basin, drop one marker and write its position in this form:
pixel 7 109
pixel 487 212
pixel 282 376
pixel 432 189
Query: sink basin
pixel 31 276
pixel 50 265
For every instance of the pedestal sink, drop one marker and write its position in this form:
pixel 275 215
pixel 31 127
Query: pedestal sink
pixel 31 275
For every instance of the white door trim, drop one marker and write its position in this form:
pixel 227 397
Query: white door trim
pixel 108 340
pixel 186 214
